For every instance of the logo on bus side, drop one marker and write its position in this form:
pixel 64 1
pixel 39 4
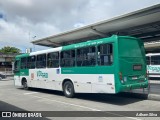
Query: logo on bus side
pixel 42 74
pixel 157 69
pixel 32 76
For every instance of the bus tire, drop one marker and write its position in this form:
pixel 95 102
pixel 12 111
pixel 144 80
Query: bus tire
pixel 68 89
pixel 25 85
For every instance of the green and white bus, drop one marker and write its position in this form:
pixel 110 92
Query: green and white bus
pixel 108 65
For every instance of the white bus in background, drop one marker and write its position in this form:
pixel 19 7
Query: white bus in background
pixel 153 64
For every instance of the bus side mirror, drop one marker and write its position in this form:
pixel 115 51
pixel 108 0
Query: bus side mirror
pixel 15 67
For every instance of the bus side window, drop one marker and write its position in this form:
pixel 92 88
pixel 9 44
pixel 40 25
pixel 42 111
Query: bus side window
pixel 41 61
pixel 68 58
pixel 155 60
pixel 86 56
pixel 148 60
pixel 53 60
pixel 31 62
pixel 79 57
pixel 23 63
pixel 105 54
pixel 92 56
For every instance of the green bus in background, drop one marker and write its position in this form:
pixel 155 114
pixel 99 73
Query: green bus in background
pixel 108 65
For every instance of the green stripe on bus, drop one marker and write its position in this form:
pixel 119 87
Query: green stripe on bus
pixel 89 70
pixel 24 72
pixel 90 43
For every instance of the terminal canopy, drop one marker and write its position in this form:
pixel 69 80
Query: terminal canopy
pixel 144 24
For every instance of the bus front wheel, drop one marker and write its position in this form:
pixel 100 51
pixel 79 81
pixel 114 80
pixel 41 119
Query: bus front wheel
pixel 68 89
pixel 24 84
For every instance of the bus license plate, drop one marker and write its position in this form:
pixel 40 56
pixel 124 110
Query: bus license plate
pixel 137 67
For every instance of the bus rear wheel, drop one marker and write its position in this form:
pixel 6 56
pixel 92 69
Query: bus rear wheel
pixel 68 89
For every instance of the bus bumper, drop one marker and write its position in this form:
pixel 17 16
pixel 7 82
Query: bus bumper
pixel 133 86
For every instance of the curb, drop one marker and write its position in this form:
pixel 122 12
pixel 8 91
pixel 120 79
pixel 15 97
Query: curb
pixel 154 97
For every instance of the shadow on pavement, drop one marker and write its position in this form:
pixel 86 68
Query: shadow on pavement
pixel 118 99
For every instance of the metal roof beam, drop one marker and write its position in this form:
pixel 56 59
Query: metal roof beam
pixel 142 23
pixel 53 43
pixel 98 32
pixel 154 33
pixel 155 38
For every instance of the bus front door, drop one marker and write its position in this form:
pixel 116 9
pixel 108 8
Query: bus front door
pixel 16 70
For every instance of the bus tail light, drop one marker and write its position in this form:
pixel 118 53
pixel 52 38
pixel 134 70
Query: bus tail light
pixel 120 77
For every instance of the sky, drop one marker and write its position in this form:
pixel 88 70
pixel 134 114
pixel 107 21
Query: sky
pixel 22 21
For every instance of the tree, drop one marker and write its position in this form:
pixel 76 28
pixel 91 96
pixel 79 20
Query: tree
pixel 8 49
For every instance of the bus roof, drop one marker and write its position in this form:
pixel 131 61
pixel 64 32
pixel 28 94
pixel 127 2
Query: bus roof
pixel 77 45
pixel 46 51
pixel 22 55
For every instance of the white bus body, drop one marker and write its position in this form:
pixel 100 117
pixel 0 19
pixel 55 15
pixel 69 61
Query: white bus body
pixel 153 64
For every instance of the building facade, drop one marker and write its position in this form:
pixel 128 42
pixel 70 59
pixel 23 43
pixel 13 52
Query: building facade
pixel 6 61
